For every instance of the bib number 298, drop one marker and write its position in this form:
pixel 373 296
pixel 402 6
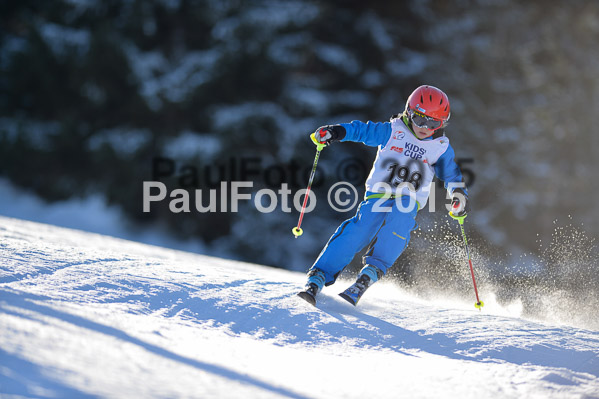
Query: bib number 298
pixel 401 174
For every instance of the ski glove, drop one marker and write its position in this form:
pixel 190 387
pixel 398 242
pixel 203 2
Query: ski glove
pixel 459 202
pixel 329 134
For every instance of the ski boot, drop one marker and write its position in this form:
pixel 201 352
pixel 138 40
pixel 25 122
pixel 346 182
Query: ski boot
pixel 313 286
pixel 309 294
pixel 368 276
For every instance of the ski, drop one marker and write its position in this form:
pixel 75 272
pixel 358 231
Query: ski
pixel 306 296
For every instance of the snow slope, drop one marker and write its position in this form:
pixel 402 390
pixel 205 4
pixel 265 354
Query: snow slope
pixel 84 315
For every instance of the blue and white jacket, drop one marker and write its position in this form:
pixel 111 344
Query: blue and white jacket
pixel 405 164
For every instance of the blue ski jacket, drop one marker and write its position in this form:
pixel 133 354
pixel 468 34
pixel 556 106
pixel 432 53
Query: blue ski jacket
pixel 378 134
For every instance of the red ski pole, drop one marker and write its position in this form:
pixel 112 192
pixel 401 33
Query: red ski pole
pixel 479 304
pixel 297 230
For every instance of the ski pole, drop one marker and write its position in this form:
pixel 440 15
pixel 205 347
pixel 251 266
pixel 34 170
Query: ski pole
pixel 479 304
pixel 297 230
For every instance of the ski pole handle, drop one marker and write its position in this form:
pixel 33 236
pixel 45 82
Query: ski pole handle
pixel 319 145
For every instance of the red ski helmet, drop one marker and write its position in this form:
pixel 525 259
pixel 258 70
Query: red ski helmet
pixel 431 102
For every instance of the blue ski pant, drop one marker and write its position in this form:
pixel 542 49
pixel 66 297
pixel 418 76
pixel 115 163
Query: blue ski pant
pixel 387 232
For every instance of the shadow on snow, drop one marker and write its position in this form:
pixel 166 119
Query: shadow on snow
pixel 31 303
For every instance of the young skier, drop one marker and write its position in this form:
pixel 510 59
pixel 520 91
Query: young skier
pixel 397 187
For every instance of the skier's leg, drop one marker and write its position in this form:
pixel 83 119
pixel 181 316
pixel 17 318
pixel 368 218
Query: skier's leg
pixel 350 237
pixel 392 238
pixel 390 241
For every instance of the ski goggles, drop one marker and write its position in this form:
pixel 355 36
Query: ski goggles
pixel 421 120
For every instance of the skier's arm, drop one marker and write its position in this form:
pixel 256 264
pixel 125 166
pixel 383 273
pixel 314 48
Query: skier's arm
pixel 369 133
pixel 448 170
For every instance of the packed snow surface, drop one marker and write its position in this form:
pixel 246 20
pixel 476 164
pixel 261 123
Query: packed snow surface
pixel 84 315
